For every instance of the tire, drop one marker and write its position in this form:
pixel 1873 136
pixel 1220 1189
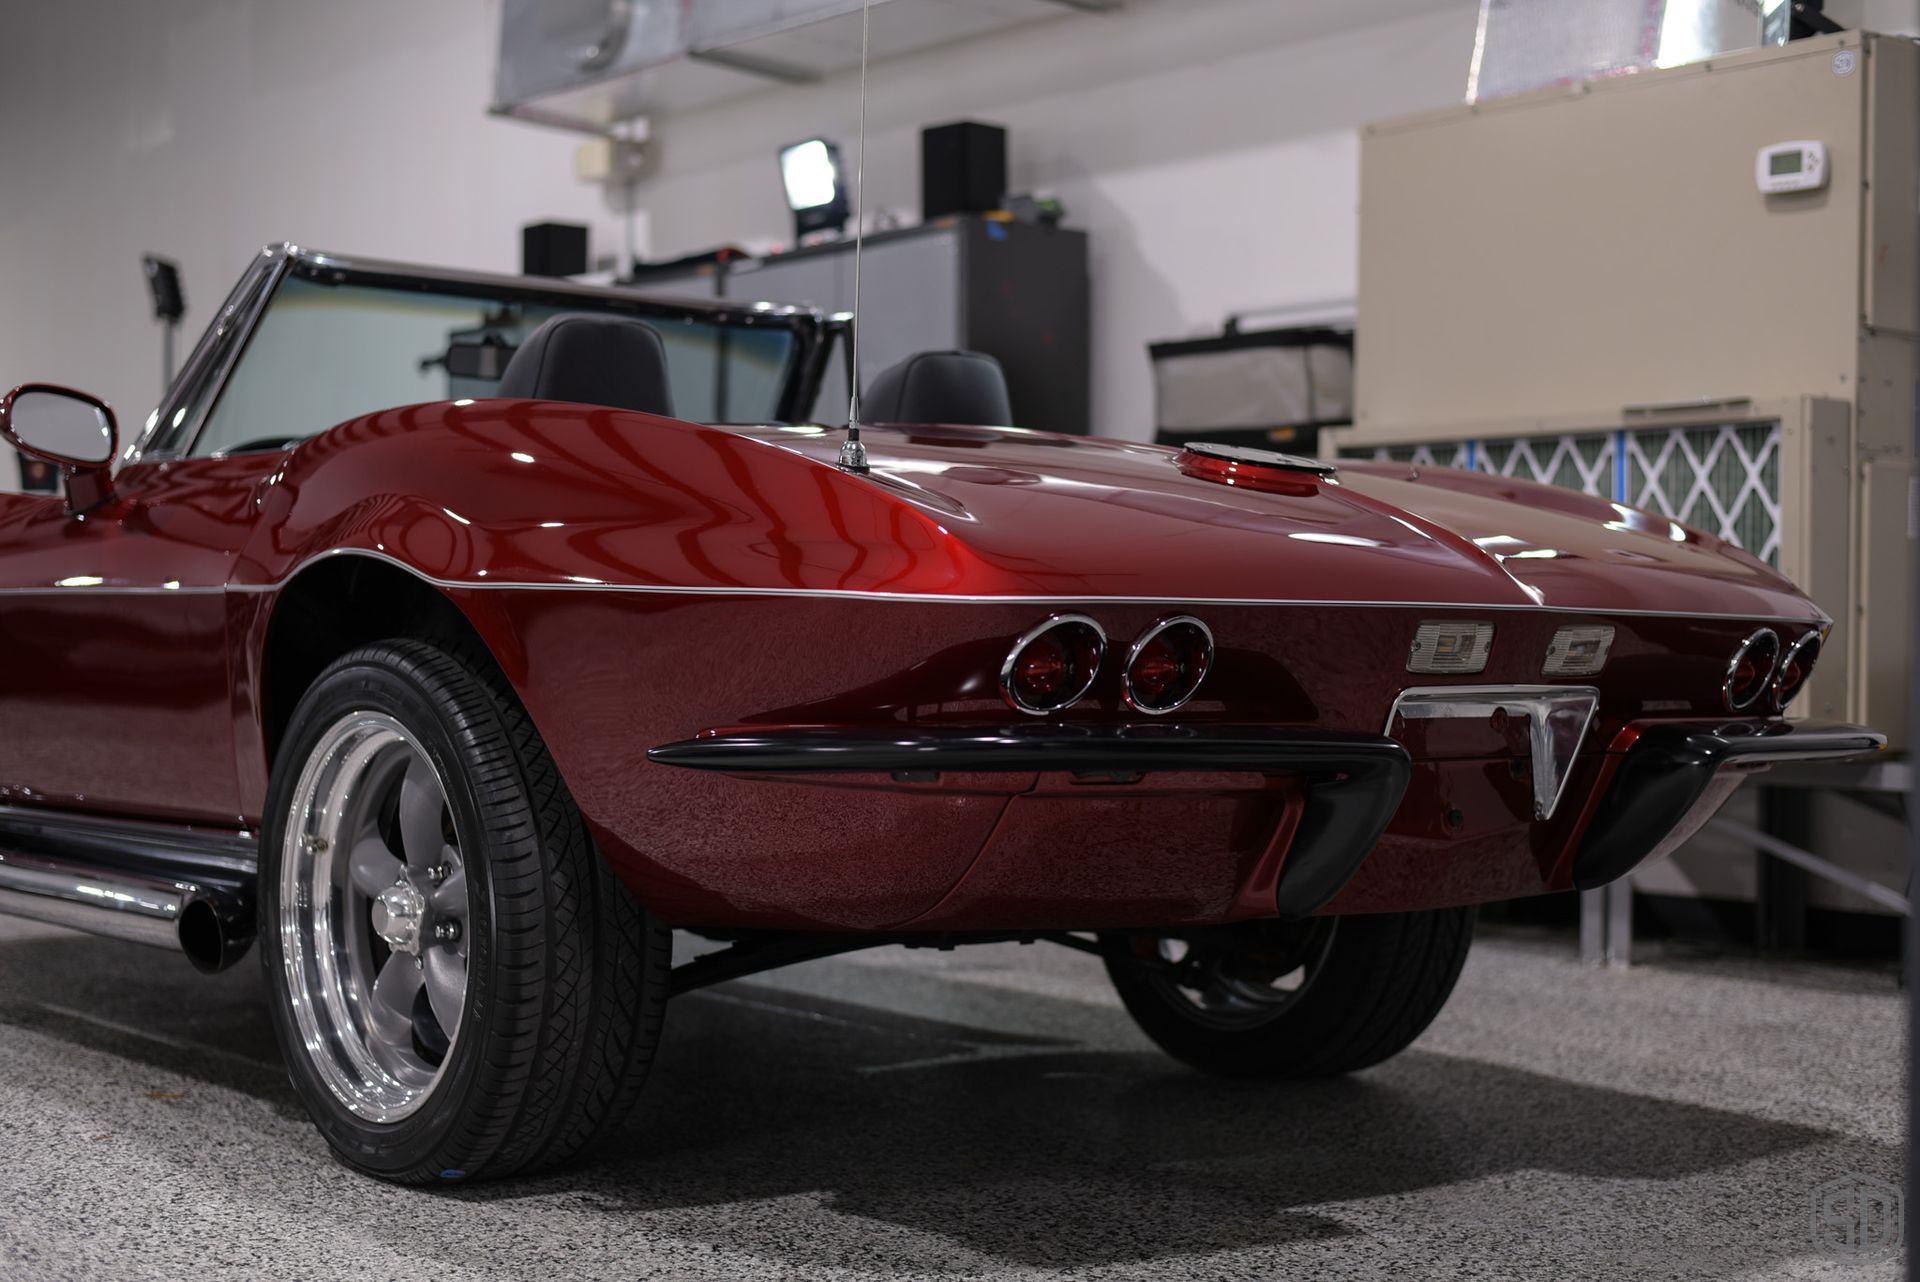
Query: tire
pixel 537 984
pixel 1290 1000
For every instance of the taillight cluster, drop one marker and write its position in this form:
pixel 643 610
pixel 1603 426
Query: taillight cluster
pixel 1054 665
pixel 1167 664
pixel 1759 667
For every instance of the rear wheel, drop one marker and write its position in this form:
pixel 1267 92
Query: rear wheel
pixel 1292 999
pixel 460 986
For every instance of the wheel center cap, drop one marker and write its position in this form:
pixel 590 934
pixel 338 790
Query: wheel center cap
pixel 397 916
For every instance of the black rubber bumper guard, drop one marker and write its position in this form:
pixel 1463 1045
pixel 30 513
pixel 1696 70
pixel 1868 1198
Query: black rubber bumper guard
pixel 1354 782
pixel 1666 788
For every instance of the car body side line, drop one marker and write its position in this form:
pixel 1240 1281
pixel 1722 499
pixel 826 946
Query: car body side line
pixel 939 598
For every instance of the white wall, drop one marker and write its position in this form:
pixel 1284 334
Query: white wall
pixel 1208 145
pixel 202 129
pixel 1210 149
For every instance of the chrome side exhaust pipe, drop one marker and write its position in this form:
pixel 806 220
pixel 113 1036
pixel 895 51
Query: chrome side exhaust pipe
pixel 211 924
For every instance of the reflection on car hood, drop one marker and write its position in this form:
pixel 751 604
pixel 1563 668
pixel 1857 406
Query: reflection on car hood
pixel 1086 516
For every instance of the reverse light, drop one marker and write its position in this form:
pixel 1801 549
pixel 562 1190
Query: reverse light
pixel 1054 665
pixel 1795 667
pixel 1578 650
pixel 1167 664
pixel 1450 647
pixel 1751 669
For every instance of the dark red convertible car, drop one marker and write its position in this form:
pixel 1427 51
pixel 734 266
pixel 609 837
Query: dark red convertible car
pixel 457 637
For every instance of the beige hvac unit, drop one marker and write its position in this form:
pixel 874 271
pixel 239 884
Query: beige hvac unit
pixel 1625 286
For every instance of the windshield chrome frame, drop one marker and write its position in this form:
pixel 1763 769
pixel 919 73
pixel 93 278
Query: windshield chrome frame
pixel 213 359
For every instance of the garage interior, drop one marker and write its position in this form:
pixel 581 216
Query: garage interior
pixel 1581 244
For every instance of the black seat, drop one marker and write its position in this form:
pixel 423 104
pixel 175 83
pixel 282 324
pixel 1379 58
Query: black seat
pixel 966 388
pixel 592 360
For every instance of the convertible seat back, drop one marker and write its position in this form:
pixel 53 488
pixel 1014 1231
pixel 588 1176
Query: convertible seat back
pixel 965 388
pixel 615 361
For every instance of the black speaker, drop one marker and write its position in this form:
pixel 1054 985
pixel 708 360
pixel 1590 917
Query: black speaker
pixel 553 249
pixel 963 169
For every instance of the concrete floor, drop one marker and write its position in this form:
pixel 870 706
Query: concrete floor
pixel 985 1113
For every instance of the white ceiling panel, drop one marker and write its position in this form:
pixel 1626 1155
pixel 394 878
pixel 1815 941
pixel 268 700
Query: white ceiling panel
pixel 723 48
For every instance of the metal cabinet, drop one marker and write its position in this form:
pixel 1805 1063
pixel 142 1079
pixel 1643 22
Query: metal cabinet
pixel 1014 291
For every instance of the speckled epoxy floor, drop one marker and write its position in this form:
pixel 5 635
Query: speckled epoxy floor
pixel 988 1113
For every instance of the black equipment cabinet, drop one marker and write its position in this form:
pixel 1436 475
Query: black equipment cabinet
pixel 1016 291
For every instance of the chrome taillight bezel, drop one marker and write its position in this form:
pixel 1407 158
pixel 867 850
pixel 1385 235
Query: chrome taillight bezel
pixel 1027 638
pixel 1788 658
pixel 1143 641
pixel 1759 636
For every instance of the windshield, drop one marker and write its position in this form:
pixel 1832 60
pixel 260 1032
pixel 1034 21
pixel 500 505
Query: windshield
pixel 324 353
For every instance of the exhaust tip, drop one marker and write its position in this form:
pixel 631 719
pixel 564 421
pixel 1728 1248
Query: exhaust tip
pixel 214 934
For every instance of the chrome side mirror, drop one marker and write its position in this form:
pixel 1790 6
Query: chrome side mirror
pixel 68 428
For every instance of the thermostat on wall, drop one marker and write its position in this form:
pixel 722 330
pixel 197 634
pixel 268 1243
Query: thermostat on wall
pixel 1791 166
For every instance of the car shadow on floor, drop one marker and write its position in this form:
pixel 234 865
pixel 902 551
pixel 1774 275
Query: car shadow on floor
pixel 923 1144
pixel 1044 1153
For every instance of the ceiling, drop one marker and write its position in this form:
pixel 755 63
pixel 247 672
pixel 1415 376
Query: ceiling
pixel 588 64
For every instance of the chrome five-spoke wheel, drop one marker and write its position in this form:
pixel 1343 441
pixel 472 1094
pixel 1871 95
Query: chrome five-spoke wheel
pixel 374 916
pixel 461 986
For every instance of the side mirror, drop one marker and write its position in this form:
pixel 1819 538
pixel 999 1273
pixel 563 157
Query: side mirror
pixel 68 428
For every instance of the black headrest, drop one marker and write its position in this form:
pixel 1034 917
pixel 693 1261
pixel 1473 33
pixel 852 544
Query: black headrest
pixel 592 360
pixel 966 388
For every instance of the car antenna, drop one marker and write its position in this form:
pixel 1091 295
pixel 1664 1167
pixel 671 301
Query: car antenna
pixel 853 452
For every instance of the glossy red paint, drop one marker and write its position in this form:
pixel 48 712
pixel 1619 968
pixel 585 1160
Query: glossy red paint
pixel 640 580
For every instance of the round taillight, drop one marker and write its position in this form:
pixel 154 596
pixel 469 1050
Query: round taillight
pixel 1053 666
pixel 1167 664
pixel 1751 669
pixel 1795 667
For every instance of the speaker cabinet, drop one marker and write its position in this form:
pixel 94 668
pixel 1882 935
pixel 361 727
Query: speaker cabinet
pixel 553 249
pixel 963 169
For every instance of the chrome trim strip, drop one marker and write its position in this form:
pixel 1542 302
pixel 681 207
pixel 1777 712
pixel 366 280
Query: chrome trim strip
pixel 924 598
pixel 740 310
pixel 929 598
pixel 1537 704
pixel 1140 643
pixel 108 589
pixel 1034 633
pixel 209 366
